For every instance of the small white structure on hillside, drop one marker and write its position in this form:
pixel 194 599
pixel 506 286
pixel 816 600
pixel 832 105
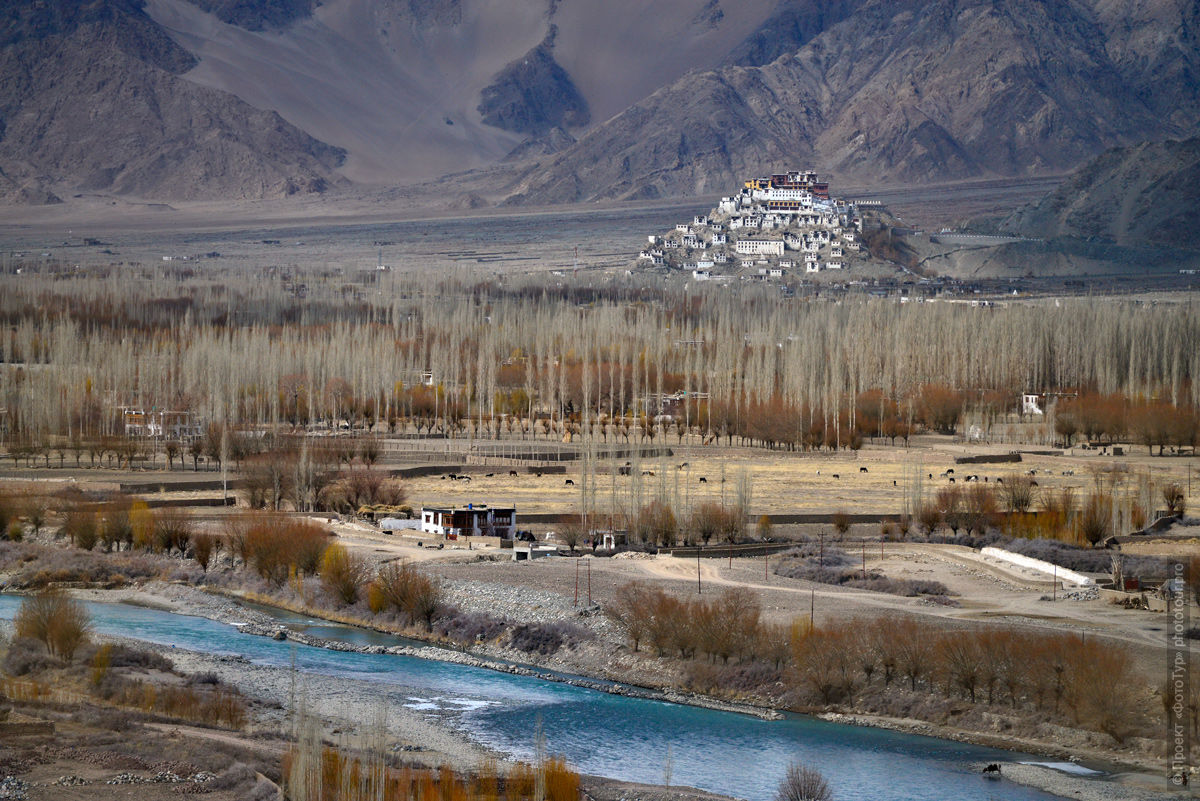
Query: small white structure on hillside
pixel 760 247
pixel 1029 404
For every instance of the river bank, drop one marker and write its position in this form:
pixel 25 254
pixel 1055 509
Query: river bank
pixel 1135 778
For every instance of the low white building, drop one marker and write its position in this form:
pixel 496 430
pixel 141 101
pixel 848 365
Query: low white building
pixel 472 520
pixel 760 247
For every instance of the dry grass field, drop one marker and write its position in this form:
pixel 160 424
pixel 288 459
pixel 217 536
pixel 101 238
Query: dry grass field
pixel 784 483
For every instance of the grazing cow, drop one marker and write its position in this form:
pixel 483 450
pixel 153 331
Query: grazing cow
pixel 862 469
pixel 950 471
pixel 941 475
pixel 999 481
pixel 818 472
pixel 835 475
pixel 647 472
pixel 453 476
pixel 569 483
pixel 512 472
pixel 464 478
pixel 703 480
pixel 489 475
pixel 682 466
pixel 951 479
pixel 931 475
pixel 1033 483
pixel 539 474
pixel 624 470
pixel 893 482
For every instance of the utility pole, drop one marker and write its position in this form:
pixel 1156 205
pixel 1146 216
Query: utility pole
pixel 589 564
pixel 576 602
pixel 699 591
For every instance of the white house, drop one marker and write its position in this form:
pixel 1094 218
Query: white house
pixel 834 265
pixel 472 520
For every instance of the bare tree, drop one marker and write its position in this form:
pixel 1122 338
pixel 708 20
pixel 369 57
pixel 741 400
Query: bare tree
pixel 802 783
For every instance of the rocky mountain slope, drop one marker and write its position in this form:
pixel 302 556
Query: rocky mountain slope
pixel 1143 195
pixel 917 90
pixel 537 101
pixel 91 99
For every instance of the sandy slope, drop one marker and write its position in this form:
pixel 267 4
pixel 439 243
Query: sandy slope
pixel 370 78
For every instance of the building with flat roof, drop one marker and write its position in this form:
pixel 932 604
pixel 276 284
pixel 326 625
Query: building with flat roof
pixel 472 520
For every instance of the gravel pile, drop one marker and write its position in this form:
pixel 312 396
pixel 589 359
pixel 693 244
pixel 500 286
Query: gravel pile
pixel 69 781
pixel 162 777
pixel 13 788
pixel 525 605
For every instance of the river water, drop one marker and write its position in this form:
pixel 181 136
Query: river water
pixel 604 734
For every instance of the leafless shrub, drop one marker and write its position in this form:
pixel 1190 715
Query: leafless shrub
pixel 545 638
pixel 343 573
pixel 56 620
pixel 802 783
pixel 469 628
pixel 402 587
pixel 26 656
pixel 204 546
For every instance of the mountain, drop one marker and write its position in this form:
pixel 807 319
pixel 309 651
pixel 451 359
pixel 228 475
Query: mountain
pixel 91 99
pixel 915 90
pixel 541 101
pixel 1148 194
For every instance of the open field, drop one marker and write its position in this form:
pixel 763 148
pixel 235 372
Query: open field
pixel 781 482
pixel 785 483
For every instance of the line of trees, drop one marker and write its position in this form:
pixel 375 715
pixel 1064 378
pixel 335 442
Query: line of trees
pixel 1088 682
pixel 726 626
pixel 488 361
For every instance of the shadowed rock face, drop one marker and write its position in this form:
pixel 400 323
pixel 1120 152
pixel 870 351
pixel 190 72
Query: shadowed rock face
pixel 794 24
pixel 533 95
pixel 1142 195
pixel 91 98
pixel 258 15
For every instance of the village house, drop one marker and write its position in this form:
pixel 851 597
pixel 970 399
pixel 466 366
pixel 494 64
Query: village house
pixel 472 520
